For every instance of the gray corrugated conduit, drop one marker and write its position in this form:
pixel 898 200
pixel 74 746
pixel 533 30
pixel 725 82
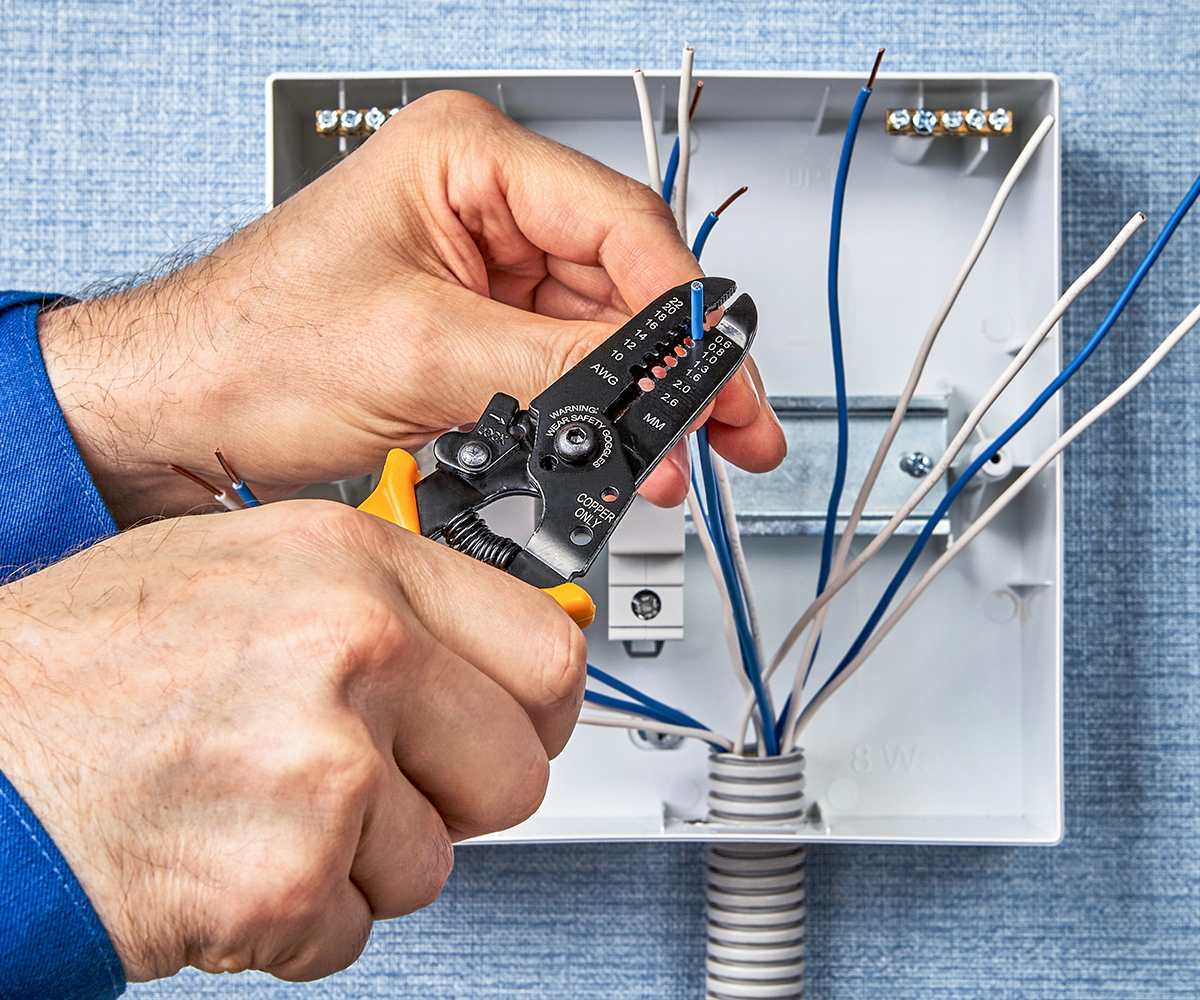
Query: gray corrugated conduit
pixel 755 890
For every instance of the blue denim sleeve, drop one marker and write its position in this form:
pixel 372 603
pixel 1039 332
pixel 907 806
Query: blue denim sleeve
pixel 49 506
pixel 52 943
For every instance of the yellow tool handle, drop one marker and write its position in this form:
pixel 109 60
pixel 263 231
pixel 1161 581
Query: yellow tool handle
pixel 395 500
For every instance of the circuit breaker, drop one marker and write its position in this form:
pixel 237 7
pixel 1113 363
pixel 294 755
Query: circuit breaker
pixel 645 578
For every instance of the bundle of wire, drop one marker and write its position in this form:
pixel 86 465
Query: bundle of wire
pixel 710 498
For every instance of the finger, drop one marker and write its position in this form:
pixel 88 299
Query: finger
pixel 557 300
pixel 329 940
pixel 405 852
pixel 468 746
pixel 572 207
pixel 509 631
pixel 759 446
pixel 472 347
pixel 667 485
pixel 591 282
pixel 738 403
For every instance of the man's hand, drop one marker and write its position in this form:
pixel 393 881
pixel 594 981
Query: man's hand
pixel 253 734
pixel 453 256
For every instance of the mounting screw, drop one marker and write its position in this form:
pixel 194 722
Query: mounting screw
pixel 975 119
pixel 474 455
pixel 648 740
pixel 917 464
pixel 924 121
pixel 575 443
pixel 900 119
pixel 646 604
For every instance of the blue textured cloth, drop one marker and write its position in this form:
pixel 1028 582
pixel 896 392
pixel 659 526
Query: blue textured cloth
pixel 49 506
pixel 52 944
pixel 149 133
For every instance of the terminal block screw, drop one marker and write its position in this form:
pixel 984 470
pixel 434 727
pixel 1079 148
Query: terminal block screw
pixel 999 119
pixel 952 120
pixel 375 118
pixel 975 120
pixel 646 604
pixel 352 120
pixel 899 119
pixel 474 455
pixel 917 464
pixel 327 120
pixel 924 121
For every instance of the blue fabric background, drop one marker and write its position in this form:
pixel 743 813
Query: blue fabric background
pixel 133 128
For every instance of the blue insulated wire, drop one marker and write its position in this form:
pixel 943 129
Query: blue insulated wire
pixel 710 220
pixel 668 187
pixel 605 701
pixel 835 334
pixel 1058 381
pixel 719 532
pixel 668 713
pixel 246 494
pixel 713 513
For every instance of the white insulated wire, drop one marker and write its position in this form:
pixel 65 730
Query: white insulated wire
pixel 837 582
pixel 714 566
pixel 1007 497
pixel 685 141
pixel 617 721
pixel 653 168
pixel 918 367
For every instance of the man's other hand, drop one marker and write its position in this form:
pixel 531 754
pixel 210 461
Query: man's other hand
pixel 252 735
pixel 454 255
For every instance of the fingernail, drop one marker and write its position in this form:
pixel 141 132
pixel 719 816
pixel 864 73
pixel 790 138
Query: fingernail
pixel 682 459
pixel 751 386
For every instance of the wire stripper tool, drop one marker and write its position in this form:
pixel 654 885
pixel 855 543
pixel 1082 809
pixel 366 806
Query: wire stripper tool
pixel 582 448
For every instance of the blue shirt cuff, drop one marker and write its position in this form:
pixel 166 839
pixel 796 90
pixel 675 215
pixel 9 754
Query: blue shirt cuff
pixel 52 944
pixel 49 506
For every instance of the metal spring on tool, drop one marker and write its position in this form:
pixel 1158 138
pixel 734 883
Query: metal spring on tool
pixel 469 534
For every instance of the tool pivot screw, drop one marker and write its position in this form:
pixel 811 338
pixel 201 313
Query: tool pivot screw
pixel 575 443
pixel 474 455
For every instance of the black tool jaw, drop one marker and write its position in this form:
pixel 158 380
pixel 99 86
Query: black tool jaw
pixel 589 441
pixel 634 397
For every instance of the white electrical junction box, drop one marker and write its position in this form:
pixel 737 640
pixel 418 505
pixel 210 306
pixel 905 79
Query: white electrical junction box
pixel 952 732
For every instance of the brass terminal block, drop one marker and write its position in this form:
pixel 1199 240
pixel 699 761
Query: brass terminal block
pixel 352 121
pixel 977 122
